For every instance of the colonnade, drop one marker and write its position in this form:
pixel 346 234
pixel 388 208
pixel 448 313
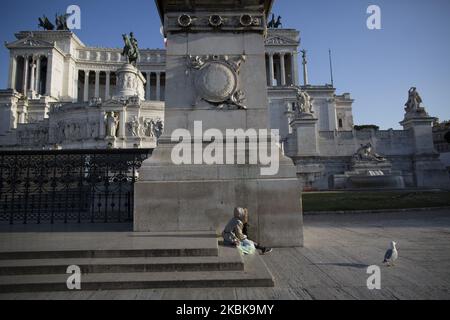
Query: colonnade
pixel 281 69
pixel 30 73
pixel 108 80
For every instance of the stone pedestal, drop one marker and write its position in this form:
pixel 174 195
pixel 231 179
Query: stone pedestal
pixel 429 171
pixel 422 129
pixel 216 76
pixel 305 130
pixel 130 83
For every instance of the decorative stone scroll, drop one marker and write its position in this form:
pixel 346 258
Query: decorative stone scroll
pixel 216 80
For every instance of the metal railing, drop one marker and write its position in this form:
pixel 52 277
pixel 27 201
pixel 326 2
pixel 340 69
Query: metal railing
pixel 77 186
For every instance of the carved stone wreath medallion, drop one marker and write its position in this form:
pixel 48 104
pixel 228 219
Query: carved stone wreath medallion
pixel 216 80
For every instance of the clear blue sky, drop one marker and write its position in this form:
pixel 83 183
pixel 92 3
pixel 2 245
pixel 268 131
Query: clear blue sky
pixel 376 67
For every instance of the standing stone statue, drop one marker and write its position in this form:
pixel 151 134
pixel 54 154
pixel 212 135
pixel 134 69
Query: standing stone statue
pixel 131 49
pixel 112 124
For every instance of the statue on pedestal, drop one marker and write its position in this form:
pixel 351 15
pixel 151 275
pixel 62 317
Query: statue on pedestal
pixel 303 106
pixel 61 22
pixel 131 49
pixel 413 105
pixel 275 24
pixel 112 124
pixel 45 24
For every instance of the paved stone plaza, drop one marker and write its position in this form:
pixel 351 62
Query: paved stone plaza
pixel 332 265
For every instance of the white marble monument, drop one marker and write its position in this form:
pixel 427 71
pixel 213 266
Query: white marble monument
pixel 216 75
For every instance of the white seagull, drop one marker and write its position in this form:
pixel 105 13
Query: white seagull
pixel 391 255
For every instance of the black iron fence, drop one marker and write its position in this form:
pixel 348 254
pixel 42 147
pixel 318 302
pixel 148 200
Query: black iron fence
pixel 68 186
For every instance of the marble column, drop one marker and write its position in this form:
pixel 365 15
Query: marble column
pixel 271 70
pixel 38 75
pixel 97 84
pixel 294 66
pixel 108 85
pixel 148 84
pixel 158 86
pixel 332 116
pixel 23 117
pixel 283 69
pixel 12 72
pixel 32 74
pixel 25 75
pixel 86 86
pixel 48 86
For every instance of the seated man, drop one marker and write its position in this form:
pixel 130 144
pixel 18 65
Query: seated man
pixel 234 235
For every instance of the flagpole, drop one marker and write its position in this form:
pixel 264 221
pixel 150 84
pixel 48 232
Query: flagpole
pixel 331 67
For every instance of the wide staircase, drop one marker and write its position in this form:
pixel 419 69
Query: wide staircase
pixel 31 262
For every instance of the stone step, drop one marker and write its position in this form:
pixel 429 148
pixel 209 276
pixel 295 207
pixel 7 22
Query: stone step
pixel 227 260
pixel 106 245
pixel 254 275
